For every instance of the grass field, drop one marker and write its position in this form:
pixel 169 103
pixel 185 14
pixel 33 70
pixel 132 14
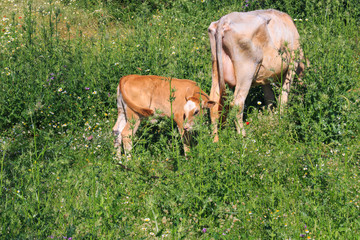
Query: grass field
pixel 295 175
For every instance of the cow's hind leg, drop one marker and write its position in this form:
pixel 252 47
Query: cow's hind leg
pixel 241 91
pixel 215 111
pixel 216 92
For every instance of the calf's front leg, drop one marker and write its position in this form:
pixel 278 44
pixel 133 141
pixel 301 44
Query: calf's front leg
pixel 185 139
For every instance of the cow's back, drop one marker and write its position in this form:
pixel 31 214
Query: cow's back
pixel 281 28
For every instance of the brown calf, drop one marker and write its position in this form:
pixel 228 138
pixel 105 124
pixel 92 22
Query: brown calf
pixel 141 96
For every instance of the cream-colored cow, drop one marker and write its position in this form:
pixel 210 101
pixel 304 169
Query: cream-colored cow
pixel 143 96
pixel 248 49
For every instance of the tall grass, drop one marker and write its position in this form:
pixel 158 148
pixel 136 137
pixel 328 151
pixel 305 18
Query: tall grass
pixel 294 176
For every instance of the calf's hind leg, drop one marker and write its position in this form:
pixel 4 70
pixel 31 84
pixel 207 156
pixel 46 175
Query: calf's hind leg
pixel 120 124
pixel 130 129
pixel 117 130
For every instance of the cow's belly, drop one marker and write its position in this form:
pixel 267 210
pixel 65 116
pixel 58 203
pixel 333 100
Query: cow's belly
pixel 266 76
pixel 271 70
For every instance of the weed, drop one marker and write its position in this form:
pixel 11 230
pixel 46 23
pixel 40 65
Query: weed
pixel 295 175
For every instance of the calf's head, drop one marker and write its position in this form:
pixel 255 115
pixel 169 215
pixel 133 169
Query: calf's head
pixel 195 105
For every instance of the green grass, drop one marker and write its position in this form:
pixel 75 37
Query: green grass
pixel 295 175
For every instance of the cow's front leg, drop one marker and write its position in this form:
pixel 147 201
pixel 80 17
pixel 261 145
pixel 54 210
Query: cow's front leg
pixel 287 81
pixel 268 95
pixel 284 96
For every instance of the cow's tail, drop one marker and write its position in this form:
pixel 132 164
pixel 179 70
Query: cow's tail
pixel 219 37
pixel 138 109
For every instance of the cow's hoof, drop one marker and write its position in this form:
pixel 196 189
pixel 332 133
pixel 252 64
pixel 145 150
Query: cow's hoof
pixel 243 133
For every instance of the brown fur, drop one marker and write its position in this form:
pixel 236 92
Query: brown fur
pixel 141 96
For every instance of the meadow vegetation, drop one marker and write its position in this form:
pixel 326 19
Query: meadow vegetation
pixel 295 175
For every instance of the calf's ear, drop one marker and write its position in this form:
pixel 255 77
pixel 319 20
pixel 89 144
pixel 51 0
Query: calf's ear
pixel 188 94
pixel 208 104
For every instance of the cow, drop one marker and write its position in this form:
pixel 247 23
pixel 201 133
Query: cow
pixel 139 97
pixel 249 49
